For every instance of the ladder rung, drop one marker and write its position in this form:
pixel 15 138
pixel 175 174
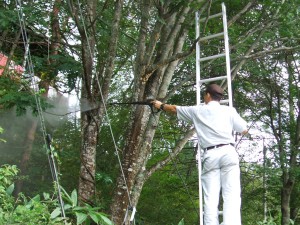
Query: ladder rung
pixel 212 79
pixel 211 57
pixel 210 17
pixel 212 36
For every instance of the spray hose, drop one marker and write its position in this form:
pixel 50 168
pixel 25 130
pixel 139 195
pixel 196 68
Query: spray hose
pixel 148 102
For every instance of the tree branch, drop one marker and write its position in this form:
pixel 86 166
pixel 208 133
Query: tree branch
pixel 175 152
pixel 238 15
pixel 175 57
pixel 271 51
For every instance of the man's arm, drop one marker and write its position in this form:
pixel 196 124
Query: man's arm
pixel 165 107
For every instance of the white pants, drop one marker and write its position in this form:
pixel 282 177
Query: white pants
pixel 221 171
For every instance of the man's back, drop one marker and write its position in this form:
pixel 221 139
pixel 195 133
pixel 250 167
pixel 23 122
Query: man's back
pixel 214 123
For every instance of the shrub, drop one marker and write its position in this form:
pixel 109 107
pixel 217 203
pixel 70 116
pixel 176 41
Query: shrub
pixel 24 210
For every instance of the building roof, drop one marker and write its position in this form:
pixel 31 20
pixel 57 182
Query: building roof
pixel 3 61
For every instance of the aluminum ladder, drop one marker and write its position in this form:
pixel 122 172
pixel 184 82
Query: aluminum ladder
pixel 199 82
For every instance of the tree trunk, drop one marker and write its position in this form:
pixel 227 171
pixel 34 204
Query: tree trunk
pixel 89 128
pixel 89 125
pixel 285 202
pixel 28 142
pixel 294 122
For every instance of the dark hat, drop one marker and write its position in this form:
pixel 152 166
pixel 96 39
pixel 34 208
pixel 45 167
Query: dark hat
pixel 215 91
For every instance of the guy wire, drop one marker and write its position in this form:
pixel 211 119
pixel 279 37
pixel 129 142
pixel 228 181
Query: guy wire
pixel 38 103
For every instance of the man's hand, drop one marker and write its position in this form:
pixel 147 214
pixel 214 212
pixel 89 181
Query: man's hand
pixel 157 104
pixel 163 106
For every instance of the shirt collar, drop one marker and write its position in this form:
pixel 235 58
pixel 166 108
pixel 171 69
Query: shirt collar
pixel 213 103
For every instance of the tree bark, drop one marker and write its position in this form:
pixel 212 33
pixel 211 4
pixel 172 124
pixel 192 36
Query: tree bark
pixel 90 120
pixel 285 202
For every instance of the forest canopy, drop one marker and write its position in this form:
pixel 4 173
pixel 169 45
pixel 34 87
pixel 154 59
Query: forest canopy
pixel 79 59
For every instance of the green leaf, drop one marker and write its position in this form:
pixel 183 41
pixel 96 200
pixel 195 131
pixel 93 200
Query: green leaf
pixel 181 222
pixel 74 198
pixel 80 217
pixel 36 198
pixel 67 206
pixel 94 217
pixel 55 213
pixel 106 220
pixel 79 208
pixel 66 194
pixel 10 189
pixel 46 196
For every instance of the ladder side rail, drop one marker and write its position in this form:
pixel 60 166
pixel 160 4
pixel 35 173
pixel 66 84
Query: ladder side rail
pixel 226 42
pixel 198 99
pixel 198 88
pixel 200 183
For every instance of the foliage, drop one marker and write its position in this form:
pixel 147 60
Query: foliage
pixel 7 176
pixel 22 210
pixel 251 81
pixel 17 94
pixel 36 211
pixel 83 214
pixel 272 221
pixel 170 192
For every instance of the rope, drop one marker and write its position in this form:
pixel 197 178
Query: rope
pixel 104 106
pixel 27 58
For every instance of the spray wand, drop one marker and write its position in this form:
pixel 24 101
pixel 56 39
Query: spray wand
pixel 147 102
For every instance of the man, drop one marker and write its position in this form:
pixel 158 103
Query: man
pixel 214 124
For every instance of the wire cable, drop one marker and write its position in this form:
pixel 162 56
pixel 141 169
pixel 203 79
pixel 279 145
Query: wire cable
pixel 27 58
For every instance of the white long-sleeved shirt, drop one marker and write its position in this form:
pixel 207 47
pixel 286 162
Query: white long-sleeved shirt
pixel 213 122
